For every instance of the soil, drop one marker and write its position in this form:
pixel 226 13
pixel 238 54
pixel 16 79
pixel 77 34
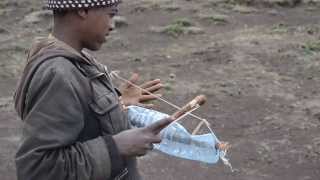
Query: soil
pixel 258 64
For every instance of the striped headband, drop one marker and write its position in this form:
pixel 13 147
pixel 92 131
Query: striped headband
pixel 79 4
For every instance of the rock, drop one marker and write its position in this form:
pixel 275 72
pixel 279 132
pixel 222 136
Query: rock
pixel 137 60
pixel 274 12
pixel 171 8
pixel 139 9
pixel 5 102
pixel 117 42
pixel 193 30
pixel 172 76
pixel 120 21
pixel 290 3
pixel 306 178
pixel 177 28
pixel 157 29
pixel 214 18
pixel 244 9
pixel 3 31
pixel 9 4
pixel 317 116
pixel 38 16
pixel 3 12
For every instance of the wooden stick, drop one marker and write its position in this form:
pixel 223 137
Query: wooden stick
pixel 223 146
pixel 196 130
pixel 197 101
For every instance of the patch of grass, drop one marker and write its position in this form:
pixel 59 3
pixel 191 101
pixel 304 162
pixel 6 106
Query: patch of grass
pixel 174 30
pixel 311 47
pixel 286 3
pixel 246 2
pixel 217 19
pixel 171 8
pixel 182 23
pixel 311 30
pixel 168 87
pixel 267 3
pixel 280 28
pixel 177 27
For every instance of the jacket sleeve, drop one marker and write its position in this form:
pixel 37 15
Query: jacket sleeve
pixel 49 148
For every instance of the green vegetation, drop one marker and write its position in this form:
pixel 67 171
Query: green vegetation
pixel 182 23
pixel 168 86
pixel 177 27
pixel 284 3
pixel 280 28
pixel 311 47
pixel 217 19
pixel 174 30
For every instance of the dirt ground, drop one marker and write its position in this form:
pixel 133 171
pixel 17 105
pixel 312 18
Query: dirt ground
pixel 258 63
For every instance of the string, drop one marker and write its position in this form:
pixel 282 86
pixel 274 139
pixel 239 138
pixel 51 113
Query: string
pixel 116 74
pixel 225 161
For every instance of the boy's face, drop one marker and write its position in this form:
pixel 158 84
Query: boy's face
pixel 97 26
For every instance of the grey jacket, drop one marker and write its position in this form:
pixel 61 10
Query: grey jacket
pixel 70 111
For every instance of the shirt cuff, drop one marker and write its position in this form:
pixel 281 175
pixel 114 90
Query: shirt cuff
pixel 117 161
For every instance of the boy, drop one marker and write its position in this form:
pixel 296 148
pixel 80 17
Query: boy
pixel 74 125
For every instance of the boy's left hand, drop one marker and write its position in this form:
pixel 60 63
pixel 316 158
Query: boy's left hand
pixel 132 95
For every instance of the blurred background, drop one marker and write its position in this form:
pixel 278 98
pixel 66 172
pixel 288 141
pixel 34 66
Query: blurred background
pixel 258 61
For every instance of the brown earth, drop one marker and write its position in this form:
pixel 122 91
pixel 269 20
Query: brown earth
pixel 258 63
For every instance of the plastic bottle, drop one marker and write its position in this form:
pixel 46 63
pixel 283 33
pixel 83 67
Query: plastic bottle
pixel 176 140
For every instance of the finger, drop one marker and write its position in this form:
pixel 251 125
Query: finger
pixel 133 79
pixel 157 139
pixel 156 127
pixel 154 88
pixel 149 97
pixel 149 146
pixel 125 108
pixel 142 152
pixel 150 83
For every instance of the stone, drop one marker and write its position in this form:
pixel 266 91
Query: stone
pixel 172 76
pixel 273 12
pixel 157 29
pixel 290 3
pixel 3 31
pixel 214 18
pixel 193 30
pixel 120 21
pixel 171 8
pixel 244 9
pixel 38 16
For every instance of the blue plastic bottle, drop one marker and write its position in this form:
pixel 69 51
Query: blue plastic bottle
pixel 176 140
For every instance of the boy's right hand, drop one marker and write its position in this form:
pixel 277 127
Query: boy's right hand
pixel 137 141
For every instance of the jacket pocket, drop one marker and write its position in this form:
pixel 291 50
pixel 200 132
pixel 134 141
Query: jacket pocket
pixel 109 113
pixel 104 103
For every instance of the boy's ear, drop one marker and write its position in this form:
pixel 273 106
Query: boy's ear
pixel 82 13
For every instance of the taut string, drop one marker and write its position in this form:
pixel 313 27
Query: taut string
pixel 225 161
pixel 116 74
